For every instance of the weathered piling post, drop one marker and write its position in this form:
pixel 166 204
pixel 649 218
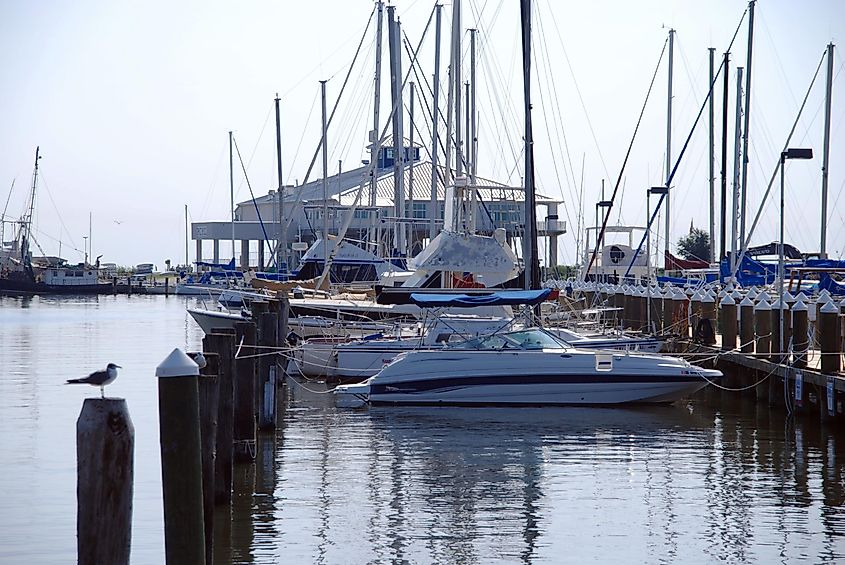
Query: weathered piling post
pixel 800 334
pixel 822 299
pixel 105 447
pixel 763 329
pixel 708 317
pixel 222 342
pixel 695 311
pixel 667 306
pixel 680 314
pixel 244 389
pixel 181 462
pixel 626 307
pixel 258 307
pixel 779 343
pixel 728 323
pixel 167 286
pixel 209 393
pixel 746 325
pixel 829 338
pixel 268 340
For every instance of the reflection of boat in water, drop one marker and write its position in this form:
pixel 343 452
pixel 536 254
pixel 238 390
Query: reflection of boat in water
pixel 526 367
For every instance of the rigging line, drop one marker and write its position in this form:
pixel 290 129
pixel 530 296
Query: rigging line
pixel 302 138
pixel 505 110
pixel 548 131
pixel 625 161
pixel 580 96
pixel 43 178
pixel 297 197
pixel 319 66
pixel 254 203
pixel 208 193
pixel 775 172
pixel 685 146
pixel 257 141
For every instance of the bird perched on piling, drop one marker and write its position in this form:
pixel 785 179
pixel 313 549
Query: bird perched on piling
pixel 98 378
pixel 199 359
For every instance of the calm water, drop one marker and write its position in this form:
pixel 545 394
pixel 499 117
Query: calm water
pixel 695 483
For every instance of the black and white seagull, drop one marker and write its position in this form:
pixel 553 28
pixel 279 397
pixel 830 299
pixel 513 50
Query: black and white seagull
pixel 98 378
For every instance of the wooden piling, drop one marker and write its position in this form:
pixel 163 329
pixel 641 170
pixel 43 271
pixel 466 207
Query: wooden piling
pixel 800 334
pixel 209 393
pixel 105 444
pixel 779 343
pixel 244 402
pixel 268 340
pixel 763 330
pixel 829 339
pixel 728 323
pixel 224 345
pixel 181 461
pixel 746 325
pixel 708 315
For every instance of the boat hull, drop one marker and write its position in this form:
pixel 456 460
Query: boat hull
pixel 12 286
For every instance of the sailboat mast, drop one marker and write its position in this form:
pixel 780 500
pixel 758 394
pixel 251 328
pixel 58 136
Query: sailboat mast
pixel 279 212
pixel 529 236
pixel 432 226
pixel 826 150
pixel 669 136
pixel 711 146
pixel 747 122
pixel 325 174
pixel 376 105
pixel 26 224
pixel 232 193
pixel 187 259
pixel 735 212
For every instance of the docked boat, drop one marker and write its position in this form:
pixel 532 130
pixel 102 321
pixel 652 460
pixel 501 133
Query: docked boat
pixel 526 367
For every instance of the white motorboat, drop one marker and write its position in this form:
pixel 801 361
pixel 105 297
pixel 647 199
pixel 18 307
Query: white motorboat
pixel 526 367
pixel 609 341
pixel 351 359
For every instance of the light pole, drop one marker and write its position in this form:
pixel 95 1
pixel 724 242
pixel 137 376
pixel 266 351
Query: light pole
pixel 791 153
pixel 85 246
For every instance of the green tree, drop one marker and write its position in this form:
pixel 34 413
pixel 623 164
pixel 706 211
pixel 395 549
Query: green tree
pixel 695 245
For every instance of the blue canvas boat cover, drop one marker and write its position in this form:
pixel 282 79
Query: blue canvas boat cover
pixel 500 298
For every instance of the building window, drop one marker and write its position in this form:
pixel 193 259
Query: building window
pixel 419 210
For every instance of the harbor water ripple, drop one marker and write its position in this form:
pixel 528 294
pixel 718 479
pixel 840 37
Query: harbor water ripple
pixel 716 479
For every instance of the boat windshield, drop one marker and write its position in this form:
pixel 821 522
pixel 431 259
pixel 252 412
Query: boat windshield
pixel 533 339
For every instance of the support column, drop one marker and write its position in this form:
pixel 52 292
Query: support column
pixel 199 250
pixel 244 253
pixel 216 251
pixel 261 255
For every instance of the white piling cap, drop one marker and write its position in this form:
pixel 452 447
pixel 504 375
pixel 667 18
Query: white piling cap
pixel 762 306
pixel 727 301
pixel 763 296
pixel 824 292
pixel 177 364
pixel 802 297
pixel 707 299
pixel 746 302
pixel 830 307
pixel 799 306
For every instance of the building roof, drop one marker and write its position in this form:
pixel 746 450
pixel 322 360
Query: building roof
pixel 344 188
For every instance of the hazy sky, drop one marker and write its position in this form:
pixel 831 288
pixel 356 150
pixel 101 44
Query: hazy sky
pixel 131 103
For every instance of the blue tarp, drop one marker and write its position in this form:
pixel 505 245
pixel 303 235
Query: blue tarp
pixel 826 282
pixel 230 266
pixel 501 298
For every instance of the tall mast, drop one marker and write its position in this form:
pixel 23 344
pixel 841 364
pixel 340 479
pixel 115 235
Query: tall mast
pixel 712 148
pixel 325 175
pixel 187 259
pixel 735 211
pixel 26 224
pixel 456 78
pixel 232 193
pixel 432 226
pixel 529 236
pixel 473 133
pixel 747 121
pixel 724 186
pixel 826 150
pixel 411 170
pixel 376 107
pixel 279 211
pixel 669 134
pixel 398 136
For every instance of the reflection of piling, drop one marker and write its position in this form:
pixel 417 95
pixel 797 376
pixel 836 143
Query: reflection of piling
pixel 268 341
pixel 105 440
pixel 800 333
pixel 746 325
pixel 181 474
pixel 244 409
pixel 222 342
pixel 829 338
pixel 208 400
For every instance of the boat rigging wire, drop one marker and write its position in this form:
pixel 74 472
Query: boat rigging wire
pixel 600 235
pixel 684 149
pixel 254 203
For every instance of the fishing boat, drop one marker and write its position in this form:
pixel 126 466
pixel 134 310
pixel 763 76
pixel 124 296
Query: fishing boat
pixel 20 274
